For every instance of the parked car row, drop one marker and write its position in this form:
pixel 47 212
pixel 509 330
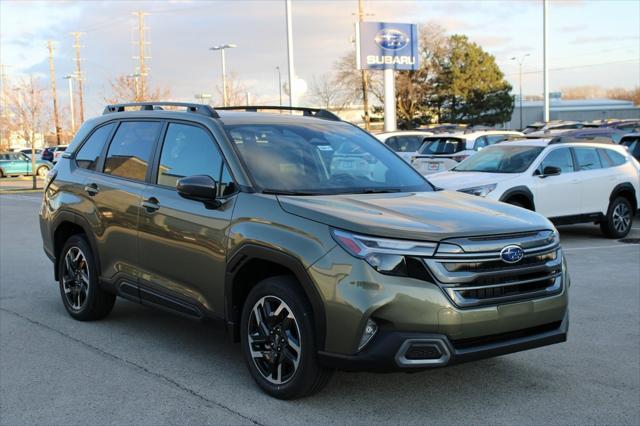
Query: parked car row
pixel 18 163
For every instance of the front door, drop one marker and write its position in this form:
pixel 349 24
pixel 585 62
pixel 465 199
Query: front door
pixel 182 242
pixel 556 196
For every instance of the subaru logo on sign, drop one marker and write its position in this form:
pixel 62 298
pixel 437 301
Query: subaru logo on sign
pixel 512 254
pixel 391 39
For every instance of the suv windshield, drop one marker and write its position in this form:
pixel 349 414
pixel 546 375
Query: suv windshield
pixel 442 146
pixel 500 159
pixel 321 158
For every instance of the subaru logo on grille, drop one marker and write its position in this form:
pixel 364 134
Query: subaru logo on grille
pixel 391 39
pixel 511 254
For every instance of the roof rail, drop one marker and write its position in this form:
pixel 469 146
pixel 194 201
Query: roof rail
pixel 152 106
pixel 570 139
pixel 308 112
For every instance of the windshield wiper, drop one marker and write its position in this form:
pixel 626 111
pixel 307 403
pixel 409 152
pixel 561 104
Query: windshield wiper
pixel 374 190
pixel 286 192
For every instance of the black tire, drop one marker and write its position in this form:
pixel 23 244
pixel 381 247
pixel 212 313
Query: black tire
pixel 2 173
pixel 42 171
pixel 308 377
pixel 93 302
pixel 619 219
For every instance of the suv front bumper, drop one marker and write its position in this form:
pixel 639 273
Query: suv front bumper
pixel 406 351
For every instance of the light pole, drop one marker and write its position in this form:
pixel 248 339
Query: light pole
pixel 69 78
pixel 279 84
pixel 202 97
pixel 136 85
pixel 291 71
pixel 520 62
pixel 222 48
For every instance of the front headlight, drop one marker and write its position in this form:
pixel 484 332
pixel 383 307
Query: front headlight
pixel 385 255
pixel 480 191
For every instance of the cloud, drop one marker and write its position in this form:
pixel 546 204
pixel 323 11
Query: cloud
pixel 604 39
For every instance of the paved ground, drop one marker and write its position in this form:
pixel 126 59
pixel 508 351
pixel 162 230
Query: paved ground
pixel 141 366
pixel 20 183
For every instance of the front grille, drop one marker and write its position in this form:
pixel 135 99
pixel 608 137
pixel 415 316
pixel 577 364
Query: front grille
pixel 477 276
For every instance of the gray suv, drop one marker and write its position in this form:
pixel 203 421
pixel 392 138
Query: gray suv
pixel 316 245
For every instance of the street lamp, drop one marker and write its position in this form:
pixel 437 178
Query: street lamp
pixel 520 62
pixel 279 83
pixel 222 48
pixel 70 78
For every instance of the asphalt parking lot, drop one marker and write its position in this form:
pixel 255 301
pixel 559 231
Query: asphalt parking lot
pixel 141 366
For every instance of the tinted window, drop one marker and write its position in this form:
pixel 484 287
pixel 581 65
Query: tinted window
pixel 442 146
pixel 560 158
pixel 633 143
pixel 187 151
pixel 408 143
pixel 321 158
pixel 89 155
pixel 587 159
pixel 500 159
pixel 481 142
pixel 491 139
pixel 130 150
pixel 226 186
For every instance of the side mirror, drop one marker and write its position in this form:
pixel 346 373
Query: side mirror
pixel 550 171
pixel 199 188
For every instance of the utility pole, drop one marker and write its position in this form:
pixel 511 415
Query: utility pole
pixel 279 84
pixel 520 62
pixel 545 62
pixel 78 76
pixel 365 76
pixel 69 78
pixel 54 94
pixel 4 142
pixel 142 69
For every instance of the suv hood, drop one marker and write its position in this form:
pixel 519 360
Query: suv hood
pixel 429 216
pixel 463 180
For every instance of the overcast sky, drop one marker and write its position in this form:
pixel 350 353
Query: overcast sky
pixel 591 42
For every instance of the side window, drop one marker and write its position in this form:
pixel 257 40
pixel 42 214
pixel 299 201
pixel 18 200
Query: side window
pixel 130 150
pixel 492 139
pixel 604 158
pixel 617 159
pixel 392 143
pixel 226 186
pixel 187 151
pixel 560 158
pixel 587 159
pixel 89 155
pixel 410 143
pixel 481 142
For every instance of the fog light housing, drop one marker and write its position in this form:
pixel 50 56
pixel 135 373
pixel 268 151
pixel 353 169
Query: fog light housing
pixel 370 330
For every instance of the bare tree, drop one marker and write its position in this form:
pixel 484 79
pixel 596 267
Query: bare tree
pixel 28 107
pixel 125 88
pixel 236 91
pixel 330 92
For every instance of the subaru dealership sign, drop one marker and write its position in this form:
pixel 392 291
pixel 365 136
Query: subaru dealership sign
pixel 383 45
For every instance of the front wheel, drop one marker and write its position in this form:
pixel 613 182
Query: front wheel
pixel 619 219
pixel 278 342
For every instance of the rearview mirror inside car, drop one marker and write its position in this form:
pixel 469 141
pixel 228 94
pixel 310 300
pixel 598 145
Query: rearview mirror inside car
pixel 199 188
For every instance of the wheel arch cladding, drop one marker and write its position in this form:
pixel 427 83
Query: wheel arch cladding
pixel 627 191
pixel 66 225
pixel 520 192
pixel 253 263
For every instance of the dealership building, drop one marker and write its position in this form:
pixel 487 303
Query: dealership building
pixel 574 110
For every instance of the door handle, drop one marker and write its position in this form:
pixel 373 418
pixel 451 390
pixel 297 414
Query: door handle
pixel 151 204
pixel 92 189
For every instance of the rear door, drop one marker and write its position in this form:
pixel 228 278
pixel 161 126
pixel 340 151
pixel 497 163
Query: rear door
pixel 596 182
pixel 182 242
pixel 113 194
pixel 556 196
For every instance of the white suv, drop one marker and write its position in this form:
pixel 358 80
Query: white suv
pixel 404 143
pixel 568 182
pixel 444 151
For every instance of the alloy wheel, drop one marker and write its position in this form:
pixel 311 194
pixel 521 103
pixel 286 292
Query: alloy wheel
pixel 621 217
pixel 75 278
pixel 274 340
pixel 42 171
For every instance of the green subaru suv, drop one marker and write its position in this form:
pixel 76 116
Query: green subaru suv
pixel 316 245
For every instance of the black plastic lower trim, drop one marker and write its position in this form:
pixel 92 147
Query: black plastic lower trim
pixel 380 354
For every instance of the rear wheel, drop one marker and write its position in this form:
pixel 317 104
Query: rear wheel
pixel 278 340
pixel 81 294
pixel 42 171
pixel 619 219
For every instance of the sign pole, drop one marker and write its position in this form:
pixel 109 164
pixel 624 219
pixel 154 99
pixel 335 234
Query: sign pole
pixel 389 100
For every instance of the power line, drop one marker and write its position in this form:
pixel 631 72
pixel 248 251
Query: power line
pixel 52 71
pixel 579 66
pixel 78 74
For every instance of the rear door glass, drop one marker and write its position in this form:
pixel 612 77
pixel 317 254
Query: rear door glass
pixel 130 150
pixel 442 146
